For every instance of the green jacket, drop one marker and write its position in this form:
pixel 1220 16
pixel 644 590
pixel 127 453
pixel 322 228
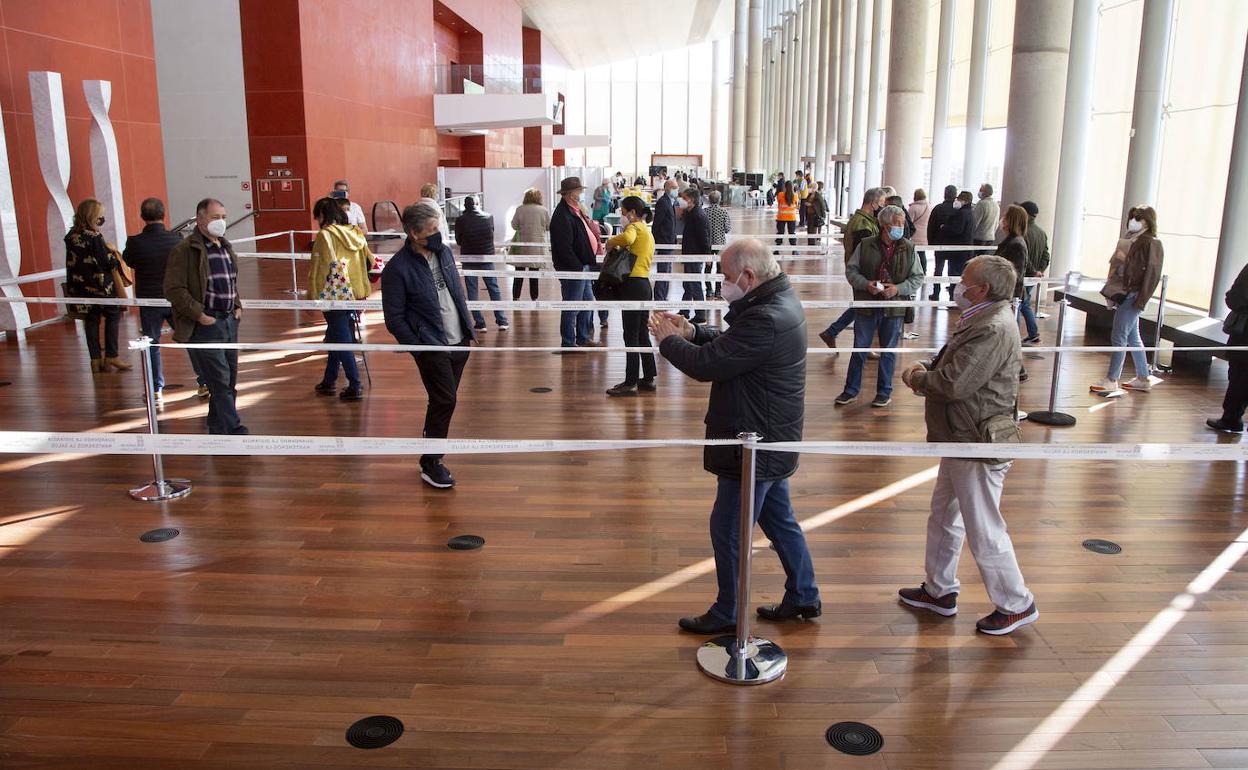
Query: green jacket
pixel 861 225
pixel 186 281
pixel 905 272
pixel 1037 248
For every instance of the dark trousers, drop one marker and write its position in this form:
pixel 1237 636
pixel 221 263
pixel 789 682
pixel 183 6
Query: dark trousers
pixel 941 259
pixel 112 328
pixel 635 336
pixel 781 226
pixel 219 368
pixel 661 288
pixel 517 285
pixel 441 372
pixel 1236 399
pixel 339 327
pixel 813 229
pixel 693 290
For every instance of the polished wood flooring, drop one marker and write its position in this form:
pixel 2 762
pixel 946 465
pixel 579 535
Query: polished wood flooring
pixel 306 593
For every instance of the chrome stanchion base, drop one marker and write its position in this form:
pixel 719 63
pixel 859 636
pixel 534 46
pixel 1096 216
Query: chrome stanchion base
pixel 763 661
pixel 1054 419
pixel 159 491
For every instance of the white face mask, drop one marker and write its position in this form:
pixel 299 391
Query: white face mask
pixel 957 204
pixel 1134 226
pixel 731 291
pixel 216 228
pixel 959 296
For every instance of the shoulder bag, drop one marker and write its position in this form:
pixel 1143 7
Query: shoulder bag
pixel 616 268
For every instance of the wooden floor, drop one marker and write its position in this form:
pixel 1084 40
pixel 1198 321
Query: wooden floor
pixel 304 594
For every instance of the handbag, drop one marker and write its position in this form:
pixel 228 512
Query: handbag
pixel 616 267
pixel 123 275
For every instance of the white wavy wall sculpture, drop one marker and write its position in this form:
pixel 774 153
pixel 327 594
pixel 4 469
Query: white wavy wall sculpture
pixel 105 168
pixel 47 102
pixel 13 316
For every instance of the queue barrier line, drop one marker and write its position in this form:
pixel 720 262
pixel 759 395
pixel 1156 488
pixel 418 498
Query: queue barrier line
pixel 45 442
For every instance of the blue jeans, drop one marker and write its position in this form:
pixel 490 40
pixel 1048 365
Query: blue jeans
pixel 842 323
pixel 151 321
pixel 864 330
pixel 774 513
pixel 1126 333
pixel 576 326
pixel 491 287
pixel 219 369
pixel 338 328
pixel 662 287
pixel 1029 313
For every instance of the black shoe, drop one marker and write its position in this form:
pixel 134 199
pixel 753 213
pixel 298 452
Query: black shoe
pixel 240 431
pixel 785 611
pixel 352 393
pixel 623 389
pixel 325 389
pixel 1222 426
pixel 480 329
pixel 845 398
pixel 881 401
pixel 707 624
pixel 647 385
pixel 436 475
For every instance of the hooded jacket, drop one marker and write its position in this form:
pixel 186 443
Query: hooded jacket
pixel 345 244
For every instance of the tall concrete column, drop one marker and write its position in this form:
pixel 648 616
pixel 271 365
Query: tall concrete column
pixel 828 91
pixel 1067 215
pixel 784 124
pixel 907 59
pixel 874 97
pixel 804 74
pixel 1037 98
pixel 1144 155
pixel 973 158
pixel 754 87
pixel 940 121
pixel 813 74
pixel 845 80
pixel 858 139
pixel 822 65
pixel 795 79
pixel 714 165
pixel 1233 243
pixel 740 49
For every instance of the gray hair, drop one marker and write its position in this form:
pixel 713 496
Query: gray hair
pixel 996 273
pixel 872 195
pixel 888 191
pixel 713 197
pixel 754 254
pixel 342 182
pixel 417 216
pixel 891 213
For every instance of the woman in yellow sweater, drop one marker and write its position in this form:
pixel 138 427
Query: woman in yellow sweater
pixel 635 217
pixel 340 264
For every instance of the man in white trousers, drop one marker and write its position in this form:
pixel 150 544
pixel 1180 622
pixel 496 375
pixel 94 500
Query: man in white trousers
pixel 971 389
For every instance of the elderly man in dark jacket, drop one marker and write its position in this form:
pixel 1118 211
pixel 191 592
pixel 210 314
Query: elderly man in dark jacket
pixel 697 241
pixel 757 371
pixel 664 231
pixel 474 232
pixel 574 247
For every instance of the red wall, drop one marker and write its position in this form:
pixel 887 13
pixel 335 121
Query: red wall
pixel 361 104
pixel 83 40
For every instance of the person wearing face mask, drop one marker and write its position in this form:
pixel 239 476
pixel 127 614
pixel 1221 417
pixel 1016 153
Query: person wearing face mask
pixel 862 225
pixel 201 283
pixel 665 232
pixel 338 271
pixel 91 267
pixel 970 391
pixel 883 267
pixel 757 370
pixel 640 370
pixel 575 245
pixel 422 298
pixel 985 217
pixel 944 228
pixel 1014 249
pixel 1132 280
pixel 696 241
pixel 786 213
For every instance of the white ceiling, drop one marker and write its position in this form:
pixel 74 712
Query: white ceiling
pixel 590 33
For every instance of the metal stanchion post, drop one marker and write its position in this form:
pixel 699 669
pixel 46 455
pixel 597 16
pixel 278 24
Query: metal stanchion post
pixel 1157 366
pixel 160 488
pixel 1052 417
pixel 294 275
pixel 741 659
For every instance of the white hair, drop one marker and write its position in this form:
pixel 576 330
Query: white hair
pixel 753 254
pixel 994 272
pixel 891 213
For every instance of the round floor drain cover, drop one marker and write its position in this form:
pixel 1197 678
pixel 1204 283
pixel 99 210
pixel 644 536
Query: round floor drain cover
pixel 854 738
pixel 465 543
pixel 159 535
pixel 540 390
pixel 374 732
pixel 1102 546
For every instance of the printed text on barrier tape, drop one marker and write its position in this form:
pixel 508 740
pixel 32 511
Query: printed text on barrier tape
pixel 41 442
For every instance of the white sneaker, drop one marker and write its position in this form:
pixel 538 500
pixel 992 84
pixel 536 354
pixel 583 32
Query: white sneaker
pixel 1138 384
pixel 1104 386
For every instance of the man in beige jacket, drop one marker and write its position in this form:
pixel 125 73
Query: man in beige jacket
pixel 972 391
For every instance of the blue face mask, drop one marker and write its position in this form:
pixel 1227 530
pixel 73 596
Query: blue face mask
pixel 896 232
pixel 672 194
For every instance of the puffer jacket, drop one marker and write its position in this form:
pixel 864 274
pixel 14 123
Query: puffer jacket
pixel 343 244
pixel 757 371
pixel 905 272
pixel 474 232
pixel 972 387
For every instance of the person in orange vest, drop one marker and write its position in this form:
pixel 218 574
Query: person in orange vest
pixel 786 213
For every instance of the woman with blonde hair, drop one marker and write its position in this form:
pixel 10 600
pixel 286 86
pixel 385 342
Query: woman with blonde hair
pixel 531 222
pixel 91 270
pixel 1134 272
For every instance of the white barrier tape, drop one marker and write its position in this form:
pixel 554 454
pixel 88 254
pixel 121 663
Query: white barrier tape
pixel 714 277
pixel 49 275
pixel 519 259
pixel 44 442
pixel 127 302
